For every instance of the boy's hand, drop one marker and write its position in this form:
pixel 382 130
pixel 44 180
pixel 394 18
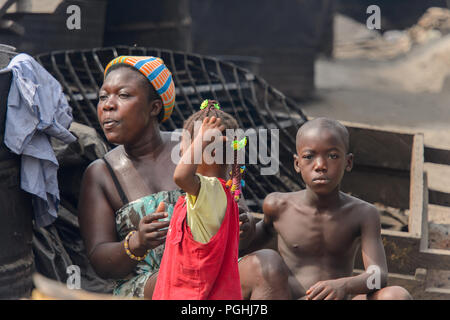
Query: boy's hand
pixel 327 290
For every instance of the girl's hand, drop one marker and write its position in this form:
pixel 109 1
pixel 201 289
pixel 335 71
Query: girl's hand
pixel 210 128
pixel 246 226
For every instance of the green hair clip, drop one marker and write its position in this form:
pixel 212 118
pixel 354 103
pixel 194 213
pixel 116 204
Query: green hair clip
pixel 239 144
pixel 205 104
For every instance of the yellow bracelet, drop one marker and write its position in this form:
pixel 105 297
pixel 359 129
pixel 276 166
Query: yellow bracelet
pixel 127 247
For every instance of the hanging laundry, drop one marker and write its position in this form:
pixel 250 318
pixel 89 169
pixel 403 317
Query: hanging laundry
pixel 37 110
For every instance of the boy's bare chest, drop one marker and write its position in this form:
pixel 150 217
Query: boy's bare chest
pixel 318 234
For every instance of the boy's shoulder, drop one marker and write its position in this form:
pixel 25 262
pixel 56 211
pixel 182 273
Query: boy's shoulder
pixel 277 202
pixel 364 209
pixel 350 199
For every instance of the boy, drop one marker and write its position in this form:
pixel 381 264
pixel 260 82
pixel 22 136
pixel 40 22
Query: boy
pixel 319 230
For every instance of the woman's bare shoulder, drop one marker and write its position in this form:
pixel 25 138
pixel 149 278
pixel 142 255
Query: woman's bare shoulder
pixel 113 154
pixel 95 173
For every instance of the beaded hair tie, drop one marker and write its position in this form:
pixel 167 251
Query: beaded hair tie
pixel 236 183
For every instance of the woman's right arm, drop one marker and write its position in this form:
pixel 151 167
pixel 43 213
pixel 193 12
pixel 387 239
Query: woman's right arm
pixel 98 227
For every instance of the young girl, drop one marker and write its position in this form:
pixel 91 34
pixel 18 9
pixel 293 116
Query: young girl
pixel 201 256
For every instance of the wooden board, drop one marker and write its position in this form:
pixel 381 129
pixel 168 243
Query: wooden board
pixel 439 198
pixel 418 207
pixel 416 285
pixel 380 149
pixel 442 157
pixel 439 156
pixel 385 186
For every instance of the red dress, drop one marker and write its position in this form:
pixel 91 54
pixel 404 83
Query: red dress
pixel 191 270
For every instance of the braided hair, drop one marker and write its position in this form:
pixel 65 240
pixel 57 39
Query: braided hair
pixel 211 108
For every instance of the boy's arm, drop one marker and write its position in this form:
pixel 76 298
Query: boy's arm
pixel 373 256
pixel 264 230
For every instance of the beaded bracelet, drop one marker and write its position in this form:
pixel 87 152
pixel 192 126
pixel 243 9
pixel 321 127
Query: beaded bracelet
pixel 127 247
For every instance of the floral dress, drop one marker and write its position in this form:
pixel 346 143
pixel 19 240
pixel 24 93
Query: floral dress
pixel 127 219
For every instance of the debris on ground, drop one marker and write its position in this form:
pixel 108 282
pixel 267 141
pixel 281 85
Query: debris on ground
pixel 354 40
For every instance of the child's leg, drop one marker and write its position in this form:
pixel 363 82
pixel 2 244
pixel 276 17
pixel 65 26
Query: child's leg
pixel 264 275
pixel 387 293
pixel 150 286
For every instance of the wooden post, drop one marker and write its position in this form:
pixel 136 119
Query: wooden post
pixel 416 196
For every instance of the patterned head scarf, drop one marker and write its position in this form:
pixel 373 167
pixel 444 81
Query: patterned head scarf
pixel 154 69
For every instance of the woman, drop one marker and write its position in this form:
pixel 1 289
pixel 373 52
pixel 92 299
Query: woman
pixel 120 193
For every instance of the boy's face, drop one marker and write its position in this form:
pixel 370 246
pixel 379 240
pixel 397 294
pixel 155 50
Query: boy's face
pixel 322 159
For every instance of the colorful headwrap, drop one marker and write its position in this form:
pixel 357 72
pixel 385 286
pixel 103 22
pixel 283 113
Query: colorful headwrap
pixel 154 69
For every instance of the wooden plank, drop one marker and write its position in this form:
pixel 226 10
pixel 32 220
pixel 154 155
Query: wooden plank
pixel 388 187
pixel 439 198
pixel 41 6
pixel 416 187
pixel 436 294
pixel 415 284
pixel 439 156
pixel 424 235
pixel 403 254
pixel 391 223
pixel 434 259
pixel 401 250
pixel 49 289
pixel 379 148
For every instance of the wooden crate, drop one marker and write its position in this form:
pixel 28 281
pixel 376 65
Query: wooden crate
pixel 392 164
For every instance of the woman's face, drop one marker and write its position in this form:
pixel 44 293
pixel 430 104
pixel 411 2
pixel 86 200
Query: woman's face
pixel 124 109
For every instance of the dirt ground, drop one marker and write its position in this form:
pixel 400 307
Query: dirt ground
pixel 396 94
